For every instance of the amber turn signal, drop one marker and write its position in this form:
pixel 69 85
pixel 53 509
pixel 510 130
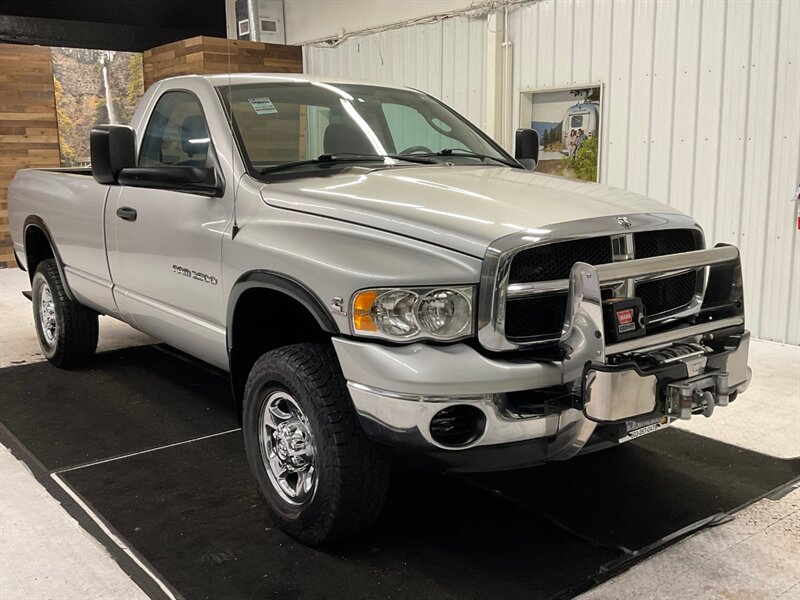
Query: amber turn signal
pixel 362 305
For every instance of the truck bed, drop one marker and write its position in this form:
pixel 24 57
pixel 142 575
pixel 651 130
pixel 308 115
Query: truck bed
pixel 71 170
pixel 70 204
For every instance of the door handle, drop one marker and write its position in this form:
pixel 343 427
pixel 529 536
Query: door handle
pixel 126 213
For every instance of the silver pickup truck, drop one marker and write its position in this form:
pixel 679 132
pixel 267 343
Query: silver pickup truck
pixel 380 280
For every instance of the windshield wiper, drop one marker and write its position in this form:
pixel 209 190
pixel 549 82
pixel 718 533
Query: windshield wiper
pixel 344 157
pixel 406 157
pixel 469 154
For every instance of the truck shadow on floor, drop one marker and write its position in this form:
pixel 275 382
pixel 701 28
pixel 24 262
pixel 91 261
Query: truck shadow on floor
pixel 193 512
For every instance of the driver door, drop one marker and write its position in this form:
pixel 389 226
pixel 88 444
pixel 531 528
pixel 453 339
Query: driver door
pixel 165 246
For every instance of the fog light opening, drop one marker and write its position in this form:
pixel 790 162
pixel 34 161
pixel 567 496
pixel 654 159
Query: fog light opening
pixel 458 426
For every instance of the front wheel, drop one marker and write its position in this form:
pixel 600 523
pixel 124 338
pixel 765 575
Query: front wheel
pixel 321 476
pixel 67 331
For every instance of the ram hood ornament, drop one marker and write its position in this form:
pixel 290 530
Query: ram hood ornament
pixel 625 222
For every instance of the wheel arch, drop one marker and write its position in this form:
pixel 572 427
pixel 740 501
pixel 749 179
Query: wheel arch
pixel 267 310
pixel 38 245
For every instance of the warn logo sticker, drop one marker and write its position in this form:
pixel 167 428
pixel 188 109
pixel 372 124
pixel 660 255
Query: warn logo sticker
pixel 625 320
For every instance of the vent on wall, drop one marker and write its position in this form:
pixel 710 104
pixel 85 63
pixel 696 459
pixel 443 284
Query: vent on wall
pixel 244 27
pixel 269 26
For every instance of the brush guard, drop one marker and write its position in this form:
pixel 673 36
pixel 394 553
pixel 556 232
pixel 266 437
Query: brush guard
pixel 686 367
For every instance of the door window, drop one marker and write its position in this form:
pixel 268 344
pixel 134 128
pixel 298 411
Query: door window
pixel 177 134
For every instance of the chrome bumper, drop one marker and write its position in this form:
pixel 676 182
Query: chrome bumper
pixel 610 396
pixel 405 420
pixel 397 391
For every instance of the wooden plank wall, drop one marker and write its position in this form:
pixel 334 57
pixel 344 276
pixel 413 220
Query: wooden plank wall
pixel 28 127
pixel 206 55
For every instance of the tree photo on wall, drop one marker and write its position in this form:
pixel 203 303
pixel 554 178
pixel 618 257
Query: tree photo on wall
pixel 92 87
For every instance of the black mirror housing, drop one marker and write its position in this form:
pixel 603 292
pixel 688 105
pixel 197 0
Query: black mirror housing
pixel 195 180
pixel 112 148
pixel 526 148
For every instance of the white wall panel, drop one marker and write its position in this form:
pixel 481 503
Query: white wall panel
pixel 684 114
pixel 701 109
pixel 781 264
pixel 709 123
pixel 445 59
pixel 582 31
pixel 757 177
pixel 308 20
pixel 641 97
pixel 662 102
pixel 602 30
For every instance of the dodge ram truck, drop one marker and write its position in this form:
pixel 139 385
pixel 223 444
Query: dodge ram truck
pixel 381 281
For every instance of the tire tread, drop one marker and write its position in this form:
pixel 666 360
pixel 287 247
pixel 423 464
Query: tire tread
pixel 77 340
pixel 363 471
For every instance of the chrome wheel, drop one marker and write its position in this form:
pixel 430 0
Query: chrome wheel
pixel 47 315
pixel 287 448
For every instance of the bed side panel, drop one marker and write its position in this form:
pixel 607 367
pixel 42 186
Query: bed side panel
pixel 72 207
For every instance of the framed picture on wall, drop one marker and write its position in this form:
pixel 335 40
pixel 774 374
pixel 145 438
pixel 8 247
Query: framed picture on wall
pixel 92 87
pixel 568 121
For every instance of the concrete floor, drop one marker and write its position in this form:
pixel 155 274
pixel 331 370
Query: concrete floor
pixel 44 553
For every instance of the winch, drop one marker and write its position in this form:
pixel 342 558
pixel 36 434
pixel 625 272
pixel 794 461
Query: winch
pixel 700 392
pixel 674 381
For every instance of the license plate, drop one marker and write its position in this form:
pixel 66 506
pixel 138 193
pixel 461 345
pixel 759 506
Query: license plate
pixel 644 430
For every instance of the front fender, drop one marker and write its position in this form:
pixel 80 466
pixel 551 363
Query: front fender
pixel 333 259
pixel 279 283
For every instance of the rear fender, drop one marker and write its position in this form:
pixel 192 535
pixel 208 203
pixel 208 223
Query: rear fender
pixel 36 222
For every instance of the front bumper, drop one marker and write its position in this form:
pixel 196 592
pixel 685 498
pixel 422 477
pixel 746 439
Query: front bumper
pixel 608 392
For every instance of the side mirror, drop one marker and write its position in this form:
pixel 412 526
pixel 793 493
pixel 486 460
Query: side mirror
pixel 112 148
pixel 526 149
pixel 194 180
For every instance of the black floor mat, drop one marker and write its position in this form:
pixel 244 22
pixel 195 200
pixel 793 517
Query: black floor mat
pixel 640 492
pixel 195 515
pixel 127 401
pixel 193 512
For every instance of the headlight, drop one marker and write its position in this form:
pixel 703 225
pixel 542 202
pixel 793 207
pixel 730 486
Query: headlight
pixel 393 313
pixel 443 313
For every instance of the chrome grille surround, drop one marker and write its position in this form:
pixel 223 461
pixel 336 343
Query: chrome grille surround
pixel 494 283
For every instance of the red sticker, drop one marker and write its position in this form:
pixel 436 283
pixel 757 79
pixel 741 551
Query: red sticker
pixel 625 317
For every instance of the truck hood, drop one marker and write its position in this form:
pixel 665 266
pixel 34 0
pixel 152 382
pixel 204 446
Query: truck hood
pixel 462 208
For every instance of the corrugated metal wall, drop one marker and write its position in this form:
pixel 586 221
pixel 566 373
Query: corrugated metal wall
pixel 701 109
pixel 445 59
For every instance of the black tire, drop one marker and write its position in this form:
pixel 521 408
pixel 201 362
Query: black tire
pixel 74 340
pixel 352 473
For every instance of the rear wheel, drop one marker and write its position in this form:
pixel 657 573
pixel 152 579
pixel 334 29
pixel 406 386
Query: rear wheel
pixel 321 476
pixel 67 331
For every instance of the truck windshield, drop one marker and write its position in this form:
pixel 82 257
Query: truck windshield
pixel 310 126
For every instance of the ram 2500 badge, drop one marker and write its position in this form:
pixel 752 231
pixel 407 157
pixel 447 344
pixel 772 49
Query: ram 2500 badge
pixel 379 277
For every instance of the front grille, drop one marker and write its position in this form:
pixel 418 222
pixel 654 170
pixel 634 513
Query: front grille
pixel 554 261
pixel 541 317
pixel 535 317
pixel 669 241
pixel 663 295
pixel 538 317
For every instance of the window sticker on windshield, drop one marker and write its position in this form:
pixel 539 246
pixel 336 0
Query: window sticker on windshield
pixel 262 106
